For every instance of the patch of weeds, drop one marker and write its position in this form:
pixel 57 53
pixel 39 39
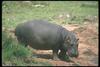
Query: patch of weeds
pixel 15 54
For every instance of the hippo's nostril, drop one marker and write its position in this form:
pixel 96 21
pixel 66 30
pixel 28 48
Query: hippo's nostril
pixel 76 56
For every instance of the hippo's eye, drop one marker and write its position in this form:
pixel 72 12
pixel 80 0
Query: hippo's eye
pixel 68 41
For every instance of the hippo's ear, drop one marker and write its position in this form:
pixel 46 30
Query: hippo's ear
pixel 74 32
pixel 77 38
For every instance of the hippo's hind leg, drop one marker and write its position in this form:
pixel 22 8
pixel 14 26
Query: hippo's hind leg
pixel 22 41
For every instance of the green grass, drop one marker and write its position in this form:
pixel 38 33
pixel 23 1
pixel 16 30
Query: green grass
pixel 15 12
pixel 16 54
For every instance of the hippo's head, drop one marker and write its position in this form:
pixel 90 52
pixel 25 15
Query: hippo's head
pixel 71 43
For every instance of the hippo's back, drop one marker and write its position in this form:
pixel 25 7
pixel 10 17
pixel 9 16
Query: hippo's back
pixel 39 34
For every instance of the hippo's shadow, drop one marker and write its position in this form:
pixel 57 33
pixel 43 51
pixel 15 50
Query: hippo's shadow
pixel 45 56
pixel 49 56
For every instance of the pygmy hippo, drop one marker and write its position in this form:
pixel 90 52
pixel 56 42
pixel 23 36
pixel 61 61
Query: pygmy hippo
pixel 43 35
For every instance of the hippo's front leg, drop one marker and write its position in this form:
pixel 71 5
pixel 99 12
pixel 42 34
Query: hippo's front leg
pixel 64 56
pixel 55 55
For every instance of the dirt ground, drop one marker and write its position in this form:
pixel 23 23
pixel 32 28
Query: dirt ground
pixel 88 47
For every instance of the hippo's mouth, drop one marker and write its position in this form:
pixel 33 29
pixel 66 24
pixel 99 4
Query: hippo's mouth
pixel 68 52
pixel 71 53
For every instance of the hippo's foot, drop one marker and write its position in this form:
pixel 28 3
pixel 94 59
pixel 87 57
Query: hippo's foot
pixel 56 58
pixel 64 57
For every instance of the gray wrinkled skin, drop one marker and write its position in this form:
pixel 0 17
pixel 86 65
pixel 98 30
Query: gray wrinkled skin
pixel 43 35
